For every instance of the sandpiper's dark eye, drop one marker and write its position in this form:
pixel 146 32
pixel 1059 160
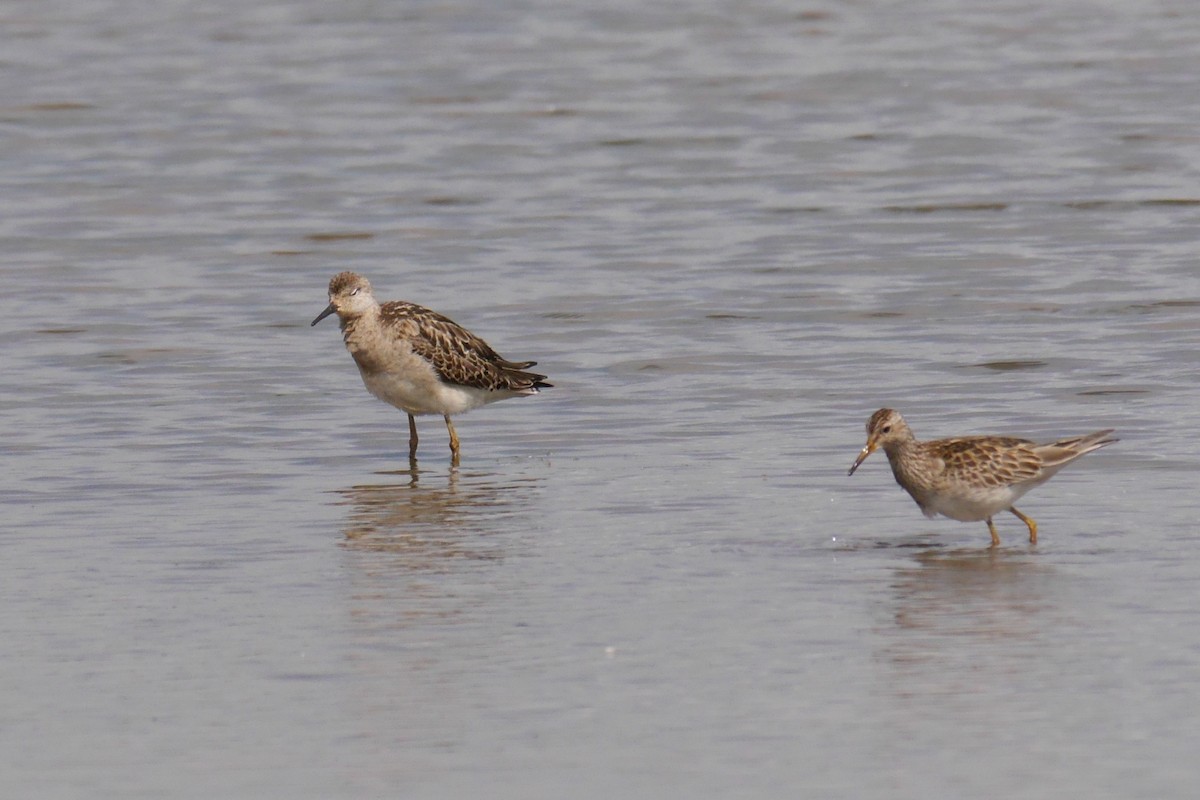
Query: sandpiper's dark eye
pixel 887 428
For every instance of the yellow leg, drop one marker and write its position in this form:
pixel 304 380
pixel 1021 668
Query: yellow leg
pixel 412 437
pixel 1032 525
pixel 992 531
pixel 453 439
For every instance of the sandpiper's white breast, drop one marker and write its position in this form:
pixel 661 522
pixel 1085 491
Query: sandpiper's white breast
pixel 417 389
pixel 973 504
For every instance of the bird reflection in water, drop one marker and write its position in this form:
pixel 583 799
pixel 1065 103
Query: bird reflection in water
pixel 424 552
pixel 962 618
pixel 429 520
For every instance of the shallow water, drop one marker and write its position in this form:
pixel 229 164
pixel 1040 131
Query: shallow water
pixel 728 235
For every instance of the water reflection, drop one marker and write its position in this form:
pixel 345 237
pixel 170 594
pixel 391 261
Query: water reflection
pixel 423 554
pixel 426 520
pixel 963 617
pixel 421 551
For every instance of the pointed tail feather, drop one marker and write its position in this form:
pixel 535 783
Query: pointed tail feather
pixel 515 365
pixel 1065 450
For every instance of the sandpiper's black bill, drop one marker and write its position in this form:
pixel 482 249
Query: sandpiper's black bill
pixel 329 309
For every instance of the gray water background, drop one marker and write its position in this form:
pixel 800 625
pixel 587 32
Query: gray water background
pixel 728 232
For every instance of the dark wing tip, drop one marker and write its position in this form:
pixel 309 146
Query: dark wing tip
pixel 526 380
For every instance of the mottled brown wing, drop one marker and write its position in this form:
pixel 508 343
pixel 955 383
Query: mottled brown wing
pixel 458 355
pixel 989 460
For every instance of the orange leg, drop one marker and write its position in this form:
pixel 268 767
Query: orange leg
pixel 1032 525
pixel 992 531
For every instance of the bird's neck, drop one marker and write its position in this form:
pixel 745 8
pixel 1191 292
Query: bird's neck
pixel 364 320
pixel 904 456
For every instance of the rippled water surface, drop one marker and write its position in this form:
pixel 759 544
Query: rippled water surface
pixel 728 232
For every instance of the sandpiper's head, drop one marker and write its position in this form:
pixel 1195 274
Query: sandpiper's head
pixel 885 428
pixel 349 296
